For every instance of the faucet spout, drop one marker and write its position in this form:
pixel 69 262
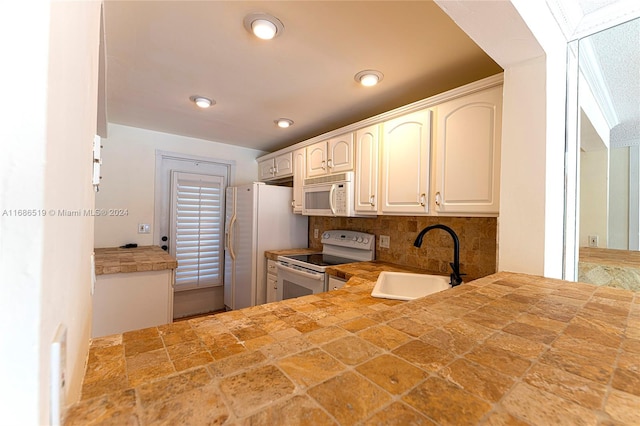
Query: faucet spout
pixel 456 276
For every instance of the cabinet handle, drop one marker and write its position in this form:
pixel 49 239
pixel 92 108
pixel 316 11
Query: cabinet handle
pixel 372 200
pixel 330 163
pixel 293 203
pixel 323 165
pixel 272 170
pixel 423 197
pixel 437 198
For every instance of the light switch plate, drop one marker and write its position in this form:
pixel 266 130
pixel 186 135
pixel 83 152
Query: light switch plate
pixel 384 241
pixel 144 228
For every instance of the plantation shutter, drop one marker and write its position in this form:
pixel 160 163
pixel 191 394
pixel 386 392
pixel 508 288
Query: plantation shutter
pixel 197 229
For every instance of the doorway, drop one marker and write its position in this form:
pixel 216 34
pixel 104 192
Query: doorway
pixel 189 210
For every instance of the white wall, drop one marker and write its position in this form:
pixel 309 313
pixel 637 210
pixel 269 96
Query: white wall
pixel 523 38
pixel 48 105
pixel 128 177
pixel 618 186
pixel 594 196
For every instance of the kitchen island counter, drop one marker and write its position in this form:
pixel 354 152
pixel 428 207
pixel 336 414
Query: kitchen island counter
pixel 504 349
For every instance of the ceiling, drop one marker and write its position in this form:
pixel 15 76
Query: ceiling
pixel 610 60
pixel 160 53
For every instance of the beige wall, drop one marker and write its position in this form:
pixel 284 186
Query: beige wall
pixel 594 196
pixel 477 241
pixel 48 104
pixel 618 199
pixel 128 177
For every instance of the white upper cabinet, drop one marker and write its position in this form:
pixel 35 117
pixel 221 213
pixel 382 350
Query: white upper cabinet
pixel 299 164
pixel 275 168
pixel 331 156
pixel 406 149
pixel 467 154
pixel 366 151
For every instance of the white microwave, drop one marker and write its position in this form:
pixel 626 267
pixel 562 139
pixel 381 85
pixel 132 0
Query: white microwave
pixel 331 195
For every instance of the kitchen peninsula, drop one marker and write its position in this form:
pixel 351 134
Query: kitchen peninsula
pixel 504 349
pixel 133 289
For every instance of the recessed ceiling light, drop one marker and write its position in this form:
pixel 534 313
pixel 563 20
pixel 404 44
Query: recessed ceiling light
pixel 283 122
pixel 369 77
pixel 201 101
pixel 263 25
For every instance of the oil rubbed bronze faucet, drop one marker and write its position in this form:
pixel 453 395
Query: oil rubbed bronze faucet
pixel 456 276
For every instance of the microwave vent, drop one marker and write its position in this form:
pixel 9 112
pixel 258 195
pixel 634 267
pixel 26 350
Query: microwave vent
pixel 338 177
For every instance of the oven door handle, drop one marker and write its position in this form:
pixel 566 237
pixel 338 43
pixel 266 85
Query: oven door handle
pixel 312 276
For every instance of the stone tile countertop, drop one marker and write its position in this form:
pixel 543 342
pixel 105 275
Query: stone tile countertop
pixel 113 260
pixel 369 270
pixel 273 254
pixel 507 349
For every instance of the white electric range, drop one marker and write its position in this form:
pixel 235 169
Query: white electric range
pixel 300 275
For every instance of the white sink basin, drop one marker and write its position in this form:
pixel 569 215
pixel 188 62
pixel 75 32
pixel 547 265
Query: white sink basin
pixel 406 286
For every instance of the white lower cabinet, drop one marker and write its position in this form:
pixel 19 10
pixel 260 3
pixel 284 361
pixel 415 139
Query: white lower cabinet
pixel 467 158
pixel 336 283
pixel 131 301
pixel 405 166
pixel 272 281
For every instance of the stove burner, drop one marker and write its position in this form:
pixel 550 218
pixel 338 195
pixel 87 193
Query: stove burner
pixel 320 259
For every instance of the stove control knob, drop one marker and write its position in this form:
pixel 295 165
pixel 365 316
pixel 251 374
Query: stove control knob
pixel 354 238
pixel 359 239
pixel 325 235
pixel 366 241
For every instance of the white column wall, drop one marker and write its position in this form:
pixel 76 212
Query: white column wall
pixel 22 168
pixel 528 44
pixel 48 105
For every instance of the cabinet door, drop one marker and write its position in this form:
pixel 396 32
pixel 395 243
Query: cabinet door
pixel 272 288
pixel 340 154
pixel 272 280
pixel 467 166
pixel 366 155
pixel 266 169
pixel 317 159
pixel 284 165
pixel 299 164
pixel 406 149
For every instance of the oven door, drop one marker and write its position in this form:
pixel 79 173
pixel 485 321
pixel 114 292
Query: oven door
pixel 295 282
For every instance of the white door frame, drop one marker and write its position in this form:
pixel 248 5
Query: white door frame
pixel 159 214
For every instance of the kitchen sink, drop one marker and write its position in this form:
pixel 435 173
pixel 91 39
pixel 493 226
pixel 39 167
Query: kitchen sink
pixel 408 286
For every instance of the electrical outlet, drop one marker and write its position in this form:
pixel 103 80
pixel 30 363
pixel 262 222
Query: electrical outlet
pixel 315 233
pixel 593 241
pixel 144 228
pixel 384 241
pixel 58 377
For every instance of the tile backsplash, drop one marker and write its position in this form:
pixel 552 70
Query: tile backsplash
pixel 477 235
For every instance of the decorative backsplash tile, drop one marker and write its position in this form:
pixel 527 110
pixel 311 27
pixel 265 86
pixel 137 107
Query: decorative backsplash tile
pixel 477 235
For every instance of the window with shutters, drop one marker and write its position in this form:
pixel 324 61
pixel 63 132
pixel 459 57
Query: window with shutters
pixel 197 229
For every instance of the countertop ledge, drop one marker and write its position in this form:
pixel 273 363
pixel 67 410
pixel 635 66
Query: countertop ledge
pixel 114 260
pixel 504 349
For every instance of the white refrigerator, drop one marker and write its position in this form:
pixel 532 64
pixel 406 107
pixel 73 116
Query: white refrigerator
pixel 258 217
